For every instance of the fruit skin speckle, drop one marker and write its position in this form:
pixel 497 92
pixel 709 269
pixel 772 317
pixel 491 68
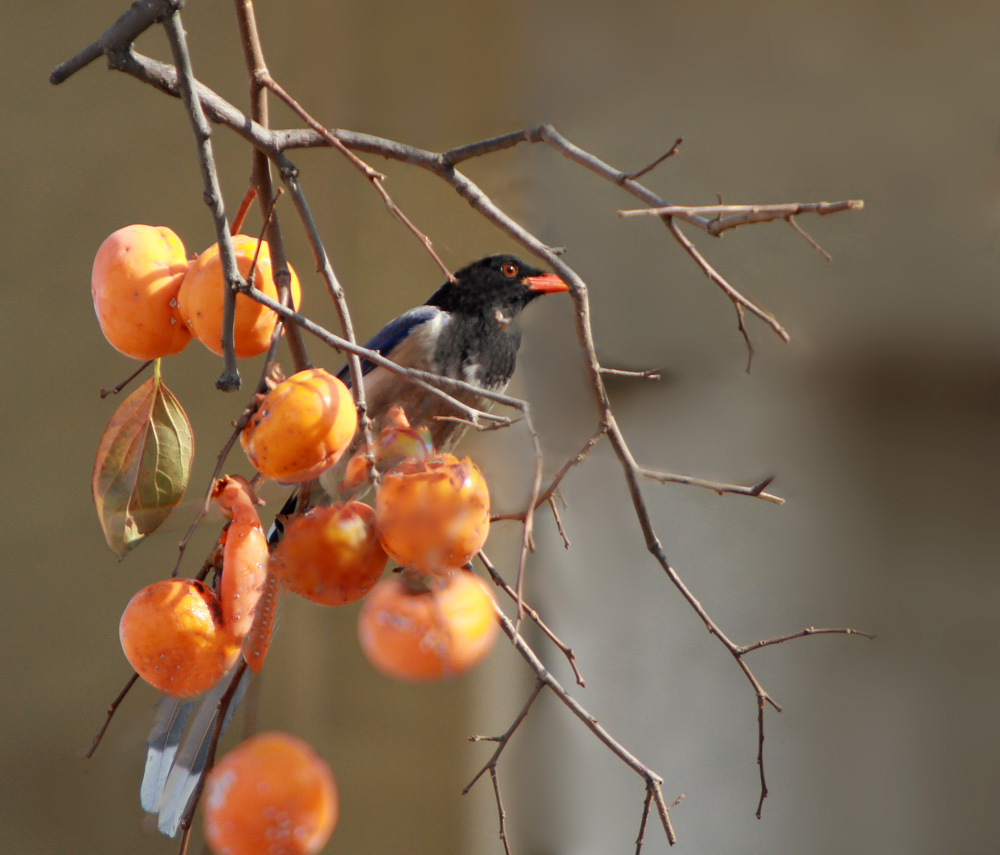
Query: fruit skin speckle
pixel 271 795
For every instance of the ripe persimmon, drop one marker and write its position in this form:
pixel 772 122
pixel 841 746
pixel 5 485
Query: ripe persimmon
pixel 331 555
pixel 301 428
pixel 271 795
pixel 136 276
pixel 427 628
pixel 203 290
pixel 172 634
pixel 433 515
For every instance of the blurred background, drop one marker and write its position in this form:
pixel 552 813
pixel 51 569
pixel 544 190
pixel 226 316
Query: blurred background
pixel 879 419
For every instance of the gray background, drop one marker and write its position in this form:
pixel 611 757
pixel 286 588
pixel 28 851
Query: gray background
pixel 879 418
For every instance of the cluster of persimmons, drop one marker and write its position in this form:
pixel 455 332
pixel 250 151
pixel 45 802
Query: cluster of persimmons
pixel 431 620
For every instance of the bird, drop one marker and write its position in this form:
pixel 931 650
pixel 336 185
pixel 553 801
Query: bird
pixel 466 331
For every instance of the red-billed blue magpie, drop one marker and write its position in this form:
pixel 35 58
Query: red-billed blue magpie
pixel 465 331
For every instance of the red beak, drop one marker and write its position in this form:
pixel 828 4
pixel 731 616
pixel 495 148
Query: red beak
pixel 547 283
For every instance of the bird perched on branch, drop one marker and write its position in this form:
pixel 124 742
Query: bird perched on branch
pixel 465 331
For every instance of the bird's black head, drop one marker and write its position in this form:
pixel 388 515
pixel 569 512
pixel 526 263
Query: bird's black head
pixel 496 286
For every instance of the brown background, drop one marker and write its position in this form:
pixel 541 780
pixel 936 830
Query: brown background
pixel 880 418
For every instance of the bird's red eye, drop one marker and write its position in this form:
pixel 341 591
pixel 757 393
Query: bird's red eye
pixel 509 269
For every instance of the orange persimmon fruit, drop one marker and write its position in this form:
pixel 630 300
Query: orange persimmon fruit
pixel 301 428
pixel 433 515
pixel 271 795
pixel 331 555
pixel 427 628
pixel 136 276
pixel 172 634
pixel 202 294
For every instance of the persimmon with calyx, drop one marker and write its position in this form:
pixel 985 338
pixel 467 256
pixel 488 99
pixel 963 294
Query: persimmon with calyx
pixel 433 515
pixel 173 635
pixel 427 628
pixel 202 295
pixel 330 555
pixel 271 795
pixel 135 280
pixel 301 428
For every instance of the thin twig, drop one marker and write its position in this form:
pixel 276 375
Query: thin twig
pixel 549 491
pixel 807 237
pixel 114 390
pixel 742 215
pixel 737 298
pixel 504 738
pixel 640 837
pixel 229 380
pixel 755 490
pixel 260 172
pixel 803 633
pixel 376 178
pixel 504 586
pixel 632 176
pixel 109 714
pixel 653 781
pixel 427 380
pixel 558 520
pixel 648 374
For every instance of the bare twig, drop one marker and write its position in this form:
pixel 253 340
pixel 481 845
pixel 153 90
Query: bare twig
pixel 260 176
pixel 737 298
pixel 558 520
pixel 653 781
pixel 755 490
pixel 549 491
pixel 109 714
pixel 632 176
pixel 742 215
pixel 139 17
pixel 491 764
pixel 807 237
pixel 504 586
pixel 427 380
pixel 229 380
pixel 649 374
pixel 376 178
pixel 114 390
pixel 504 738
pixel 803 633
pixel 641 836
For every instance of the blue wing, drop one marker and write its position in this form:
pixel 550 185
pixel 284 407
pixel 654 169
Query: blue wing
pixel 388 338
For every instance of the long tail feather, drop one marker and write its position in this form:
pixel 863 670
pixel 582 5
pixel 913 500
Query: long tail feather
pixel 169 720
pixel 189 764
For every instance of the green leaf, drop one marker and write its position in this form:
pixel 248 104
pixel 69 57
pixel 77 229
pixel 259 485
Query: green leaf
pixel 143 465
